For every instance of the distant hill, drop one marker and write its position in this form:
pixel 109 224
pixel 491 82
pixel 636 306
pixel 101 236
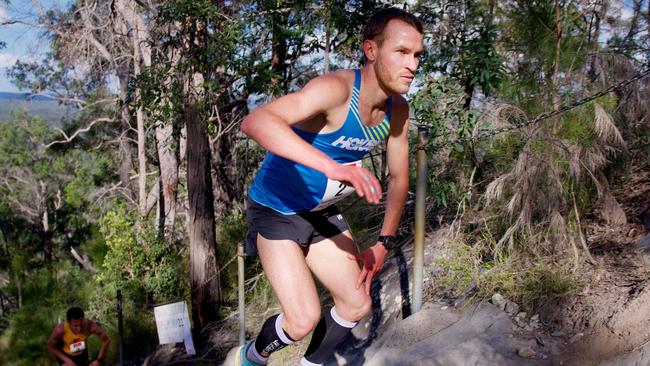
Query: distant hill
pixel 47 108
pixel 24 96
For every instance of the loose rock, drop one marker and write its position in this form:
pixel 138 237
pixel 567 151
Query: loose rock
pixel 526 352
pixel 499 301
pixel 511 307
pixel 576 337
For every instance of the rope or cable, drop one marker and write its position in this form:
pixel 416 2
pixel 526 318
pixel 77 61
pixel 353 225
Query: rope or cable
pixel 539 118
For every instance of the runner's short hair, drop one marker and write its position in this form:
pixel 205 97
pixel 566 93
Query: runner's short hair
pixel 374 29
pixel 74 313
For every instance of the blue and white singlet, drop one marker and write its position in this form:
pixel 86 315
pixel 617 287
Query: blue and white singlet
pixel 289 187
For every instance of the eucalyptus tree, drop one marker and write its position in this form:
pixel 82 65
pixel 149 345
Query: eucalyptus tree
pixel 462 39
pixel 110 41
pixel 40 191
pixel 558 169
pixel 197 43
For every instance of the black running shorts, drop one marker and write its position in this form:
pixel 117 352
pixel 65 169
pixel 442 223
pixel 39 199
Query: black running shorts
pixel 303 228
pixel 79 360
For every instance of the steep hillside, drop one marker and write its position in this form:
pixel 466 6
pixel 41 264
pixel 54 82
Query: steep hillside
pixel 50 110
pixel 605 324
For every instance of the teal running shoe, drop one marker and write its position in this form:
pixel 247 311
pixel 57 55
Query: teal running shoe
pixel 241 359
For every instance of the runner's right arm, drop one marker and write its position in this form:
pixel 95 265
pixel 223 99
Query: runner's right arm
pixel 270 124
pixel 53 343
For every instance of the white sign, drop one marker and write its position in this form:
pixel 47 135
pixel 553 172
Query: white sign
pixel 173 324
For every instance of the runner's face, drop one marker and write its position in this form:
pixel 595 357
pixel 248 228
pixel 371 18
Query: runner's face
pixel 76 325
pixel 398 56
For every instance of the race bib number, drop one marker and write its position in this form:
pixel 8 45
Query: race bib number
pixel 77 347
pixel 335 191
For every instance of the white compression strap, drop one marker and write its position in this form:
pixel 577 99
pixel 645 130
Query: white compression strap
pixel 304 362
pixel 279 331
pixel 342 322
pixel 255 353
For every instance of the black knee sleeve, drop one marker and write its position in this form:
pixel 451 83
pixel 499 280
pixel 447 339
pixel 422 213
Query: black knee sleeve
pixel 270 339
pixel 329 332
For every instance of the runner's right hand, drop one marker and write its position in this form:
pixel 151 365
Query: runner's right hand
pixel 364 182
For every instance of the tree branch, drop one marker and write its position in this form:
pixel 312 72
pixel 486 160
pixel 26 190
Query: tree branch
pixel 85 129
pixel 87 266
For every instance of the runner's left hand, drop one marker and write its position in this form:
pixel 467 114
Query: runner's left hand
pixel 95 363
pixel 373 260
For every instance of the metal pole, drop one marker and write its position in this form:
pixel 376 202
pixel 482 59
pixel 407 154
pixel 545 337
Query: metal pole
pixel 240 278
pixel 120 330
pixel 420 195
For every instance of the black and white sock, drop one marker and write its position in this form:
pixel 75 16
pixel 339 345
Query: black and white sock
pixel 329 332
pixel 270 339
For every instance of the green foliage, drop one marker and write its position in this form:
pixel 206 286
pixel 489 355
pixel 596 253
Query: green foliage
pixel 460 267
pixel 502 152
pixel 467 49
pixel 445 191
pixel 231 232
pixel 531 285
pixel 439 106
pixel 51 111
pixel 146 269
pixel 51 76
pixel 45 295
pixel 38 181
pixel 523 278
pixel 576 129
pixel 482 64
pixel 532 33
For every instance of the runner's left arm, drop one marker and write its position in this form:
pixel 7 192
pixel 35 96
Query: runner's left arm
pixel 398 166
pixel 397 155
pixel 106 341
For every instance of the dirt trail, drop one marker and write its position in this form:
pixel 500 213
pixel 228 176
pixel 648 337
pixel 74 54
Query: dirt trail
pixel 610 318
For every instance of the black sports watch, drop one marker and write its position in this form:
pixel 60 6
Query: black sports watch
pixel 388 241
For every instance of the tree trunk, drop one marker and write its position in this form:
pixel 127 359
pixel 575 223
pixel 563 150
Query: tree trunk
pixel 125 148
pixel 167 151
pixel 556 64
pixel 596 69
pixel 328 31
pixel 279 49
pixel 44 229
pixel 19 289
pixel 142 158
pixel 166 146
pixel 634 22
pixel 141 57
pixel 204 271
pixel 226 174
pixel 647 18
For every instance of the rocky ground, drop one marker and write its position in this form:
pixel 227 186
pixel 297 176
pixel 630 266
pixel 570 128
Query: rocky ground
pixel 606 324
pixel 611 316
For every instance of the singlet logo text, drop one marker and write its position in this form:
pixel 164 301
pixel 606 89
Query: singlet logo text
pixel 355 144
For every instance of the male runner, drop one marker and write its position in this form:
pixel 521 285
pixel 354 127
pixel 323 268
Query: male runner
pixel 68 340
pixel 316 138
